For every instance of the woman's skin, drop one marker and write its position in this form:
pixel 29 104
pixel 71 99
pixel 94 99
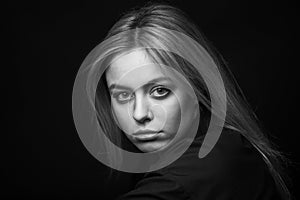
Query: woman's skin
pixel 146 103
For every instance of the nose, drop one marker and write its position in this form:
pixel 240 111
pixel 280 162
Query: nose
pixel 141 112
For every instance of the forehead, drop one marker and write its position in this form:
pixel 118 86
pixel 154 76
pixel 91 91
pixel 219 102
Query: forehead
pixel 132 67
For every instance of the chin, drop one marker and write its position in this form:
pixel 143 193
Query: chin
pixel 148 147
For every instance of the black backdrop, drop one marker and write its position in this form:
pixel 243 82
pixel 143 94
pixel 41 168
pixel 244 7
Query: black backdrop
pixel 45 157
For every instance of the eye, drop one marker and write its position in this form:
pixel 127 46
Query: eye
pixel 123 96
pixel 159 92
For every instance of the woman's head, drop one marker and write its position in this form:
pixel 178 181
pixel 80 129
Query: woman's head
pixel 133 64
pixel 147 36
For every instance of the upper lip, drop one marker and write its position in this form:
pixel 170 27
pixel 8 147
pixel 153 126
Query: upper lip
pixel 144 132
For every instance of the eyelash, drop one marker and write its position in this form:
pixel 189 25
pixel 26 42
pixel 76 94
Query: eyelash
pixel 117 96
pixel 155 89
pixel 167 91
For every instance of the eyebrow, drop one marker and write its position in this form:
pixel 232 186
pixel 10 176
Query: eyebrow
pixel 122 87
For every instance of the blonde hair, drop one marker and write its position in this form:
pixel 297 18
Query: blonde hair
pixel 239 115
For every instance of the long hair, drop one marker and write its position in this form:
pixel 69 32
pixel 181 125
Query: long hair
pixel 239 115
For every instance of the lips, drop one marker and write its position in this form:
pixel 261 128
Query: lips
pixel 146 135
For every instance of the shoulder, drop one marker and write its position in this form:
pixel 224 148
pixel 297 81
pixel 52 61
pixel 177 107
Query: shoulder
pixel 232 170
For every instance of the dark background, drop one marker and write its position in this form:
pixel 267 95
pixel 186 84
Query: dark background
pixel 45 157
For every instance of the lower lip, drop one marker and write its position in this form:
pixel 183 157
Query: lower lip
pixel 147 137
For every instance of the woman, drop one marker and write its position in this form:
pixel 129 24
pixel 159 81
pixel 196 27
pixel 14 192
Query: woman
pixel 151 95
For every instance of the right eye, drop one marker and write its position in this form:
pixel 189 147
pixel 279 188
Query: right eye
pixel 123 96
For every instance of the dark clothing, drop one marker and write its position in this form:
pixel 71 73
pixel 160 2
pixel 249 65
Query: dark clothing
pixel 234 169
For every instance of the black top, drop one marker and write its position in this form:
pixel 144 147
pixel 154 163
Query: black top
pixel 234 169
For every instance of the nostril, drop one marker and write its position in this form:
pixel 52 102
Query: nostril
pixel 143 120
pixel 142 116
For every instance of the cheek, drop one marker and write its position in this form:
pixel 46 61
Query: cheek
pixel 172 113
pixel 122 117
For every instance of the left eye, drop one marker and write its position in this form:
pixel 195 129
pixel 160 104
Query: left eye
pixel 160 92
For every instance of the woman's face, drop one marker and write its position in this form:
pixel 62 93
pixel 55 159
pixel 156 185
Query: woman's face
pixel 146 103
